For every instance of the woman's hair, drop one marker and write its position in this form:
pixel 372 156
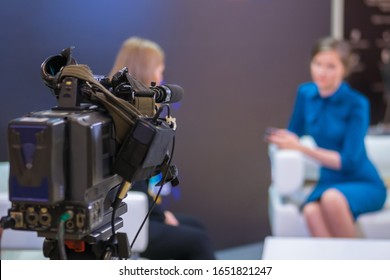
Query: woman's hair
pixel 342 47
pixel 141 57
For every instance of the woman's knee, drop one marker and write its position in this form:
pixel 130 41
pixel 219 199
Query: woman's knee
pixel 332 199
pixel 335 204
pixel 311 210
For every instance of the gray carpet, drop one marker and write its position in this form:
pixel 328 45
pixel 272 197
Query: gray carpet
pixel 245 252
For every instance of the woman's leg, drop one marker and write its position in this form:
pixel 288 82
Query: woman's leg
pixel 177 242
pixel 315 220
pixel 189 220
pixel 337 214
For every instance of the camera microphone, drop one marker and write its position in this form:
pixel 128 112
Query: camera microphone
pixel 167 93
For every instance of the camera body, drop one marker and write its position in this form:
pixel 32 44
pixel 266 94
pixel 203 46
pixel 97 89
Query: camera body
pixel 61 161
pixel 78 158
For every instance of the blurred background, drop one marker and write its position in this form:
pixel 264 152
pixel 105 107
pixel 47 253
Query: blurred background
pixel 239 62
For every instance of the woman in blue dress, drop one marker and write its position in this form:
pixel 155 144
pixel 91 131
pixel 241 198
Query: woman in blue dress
pixel 337 117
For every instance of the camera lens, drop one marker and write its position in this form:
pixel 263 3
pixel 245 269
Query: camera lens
pixel 53 64
pixel 51 67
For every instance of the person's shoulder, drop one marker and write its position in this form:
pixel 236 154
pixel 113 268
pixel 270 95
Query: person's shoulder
pixel 307 89
pixel 355 96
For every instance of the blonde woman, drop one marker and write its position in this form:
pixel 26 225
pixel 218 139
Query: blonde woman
pixel 171 236
pixel 144 59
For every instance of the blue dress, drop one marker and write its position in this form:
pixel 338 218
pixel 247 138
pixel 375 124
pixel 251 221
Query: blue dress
pixel 340 122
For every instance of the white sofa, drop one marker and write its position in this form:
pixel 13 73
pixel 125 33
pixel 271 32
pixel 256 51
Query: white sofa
pixel 137 204
pixel 294 174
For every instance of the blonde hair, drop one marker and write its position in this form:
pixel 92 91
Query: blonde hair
pixel 141 57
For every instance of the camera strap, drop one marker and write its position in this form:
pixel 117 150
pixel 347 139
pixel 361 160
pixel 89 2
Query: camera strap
pixel 146 105
pixel 123 113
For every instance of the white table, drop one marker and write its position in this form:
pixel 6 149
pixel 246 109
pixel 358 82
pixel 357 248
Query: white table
pixel 303 248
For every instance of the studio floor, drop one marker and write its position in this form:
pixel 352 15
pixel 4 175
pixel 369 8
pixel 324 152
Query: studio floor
pixel 246 252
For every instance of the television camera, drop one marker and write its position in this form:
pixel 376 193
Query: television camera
pixel 71 166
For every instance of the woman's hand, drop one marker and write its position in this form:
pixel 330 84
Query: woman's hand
pixel 283 138
pixel 170 219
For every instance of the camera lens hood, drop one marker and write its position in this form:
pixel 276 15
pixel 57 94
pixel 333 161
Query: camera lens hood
pixel 52 66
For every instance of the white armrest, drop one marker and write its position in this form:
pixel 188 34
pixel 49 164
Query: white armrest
pixel 285 218
pixel 291 168
pixel 377 149
pixel 288 170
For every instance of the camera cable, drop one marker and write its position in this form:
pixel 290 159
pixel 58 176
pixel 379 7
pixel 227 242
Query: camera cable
pixel 156 197
pixel 60 234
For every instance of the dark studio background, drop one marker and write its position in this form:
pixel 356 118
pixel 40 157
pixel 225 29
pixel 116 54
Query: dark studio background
pixel 239 62
pixel 367 27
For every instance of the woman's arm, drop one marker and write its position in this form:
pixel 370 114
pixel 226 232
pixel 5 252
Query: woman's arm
pixel 285 139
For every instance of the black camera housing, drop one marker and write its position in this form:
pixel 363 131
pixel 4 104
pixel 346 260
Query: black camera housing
pixel 77 158
pixel 61 161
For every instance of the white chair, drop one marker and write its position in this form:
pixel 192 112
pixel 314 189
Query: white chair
pixel 137 208
pixel 293 176
pixel 137 204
